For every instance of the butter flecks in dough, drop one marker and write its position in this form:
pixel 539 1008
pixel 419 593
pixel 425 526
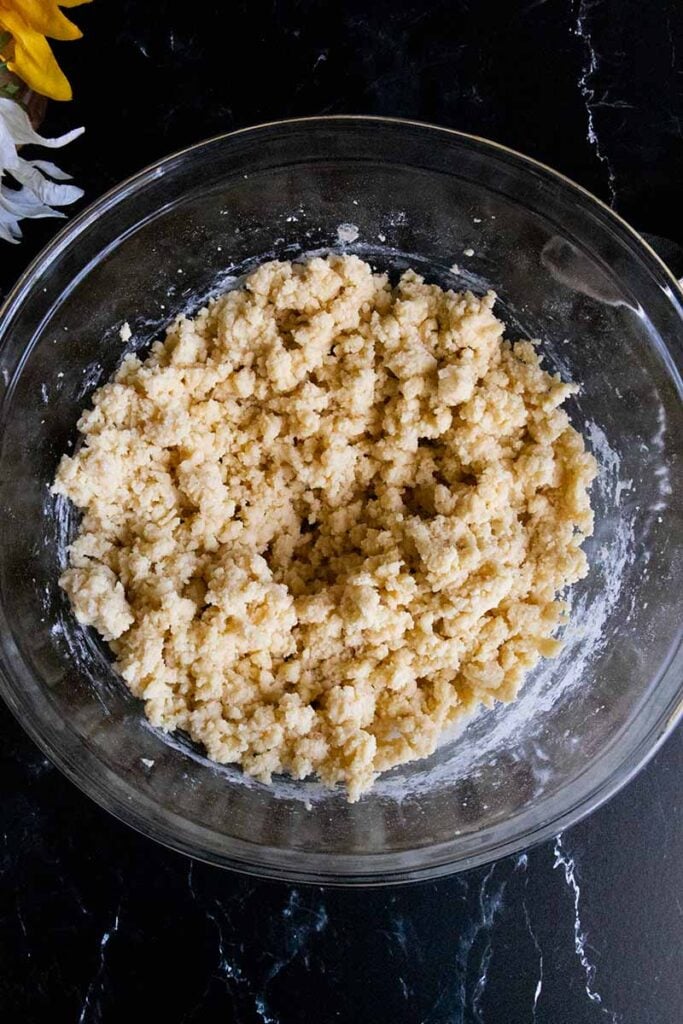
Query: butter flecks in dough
pixel 325 517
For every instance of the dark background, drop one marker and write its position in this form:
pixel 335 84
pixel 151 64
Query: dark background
pixel 97 922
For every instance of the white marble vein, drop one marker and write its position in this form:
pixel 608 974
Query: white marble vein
pixel 672 41
pixel 94 988
pixel 401 931
pixel 22 926
pixel 490 903
pixel 522 865
pixel 227 968
pixel 312 921
pixel 539 953
pixel 587 90
pixel 260 1007
pixel 566 862
pixel 305 922
pixel 481 981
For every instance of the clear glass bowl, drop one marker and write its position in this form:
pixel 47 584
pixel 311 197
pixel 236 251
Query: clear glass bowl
pixel 464 212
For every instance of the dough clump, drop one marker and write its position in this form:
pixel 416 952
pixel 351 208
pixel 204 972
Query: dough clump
pixel 326 517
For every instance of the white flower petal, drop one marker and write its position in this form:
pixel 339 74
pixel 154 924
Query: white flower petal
pixel 47 167
pixel 9 229
pixel 22 203
pixel 37 194
pixel 46 190
pixel 16 119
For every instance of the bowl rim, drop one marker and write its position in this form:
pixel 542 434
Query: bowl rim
pixel 82 219
pixel 377 868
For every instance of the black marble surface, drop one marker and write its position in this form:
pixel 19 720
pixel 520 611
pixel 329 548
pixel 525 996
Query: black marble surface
pixel 95 921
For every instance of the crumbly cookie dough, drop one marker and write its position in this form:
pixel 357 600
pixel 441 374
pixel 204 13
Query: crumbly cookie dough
pixel 326 517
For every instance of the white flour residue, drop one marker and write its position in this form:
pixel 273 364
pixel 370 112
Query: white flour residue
pixel 347 233
pixel 662 471
pixel 92 377
pixel 657 441
pixel 397 218
pixel 607 458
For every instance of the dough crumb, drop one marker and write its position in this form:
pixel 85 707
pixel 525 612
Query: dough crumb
pixel 326 517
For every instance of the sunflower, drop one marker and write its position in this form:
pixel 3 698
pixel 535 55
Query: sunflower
pixel 27 52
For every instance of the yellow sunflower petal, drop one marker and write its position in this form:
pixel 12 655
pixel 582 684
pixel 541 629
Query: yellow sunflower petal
pixel 73 3
pixel 35 64
pixel 44 16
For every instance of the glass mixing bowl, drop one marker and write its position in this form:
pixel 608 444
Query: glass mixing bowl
pixel 463 212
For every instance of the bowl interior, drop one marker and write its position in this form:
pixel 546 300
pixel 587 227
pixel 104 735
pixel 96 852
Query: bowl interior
pixel 464 214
